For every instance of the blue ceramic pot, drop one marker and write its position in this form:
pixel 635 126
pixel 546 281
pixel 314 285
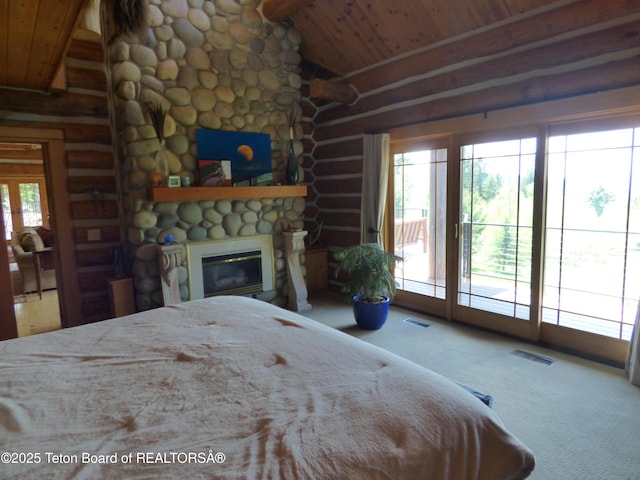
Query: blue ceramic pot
pixel 370 316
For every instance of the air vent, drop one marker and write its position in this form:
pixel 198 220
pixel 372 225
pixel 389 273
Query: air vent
pixel 533 357
pixel 413 321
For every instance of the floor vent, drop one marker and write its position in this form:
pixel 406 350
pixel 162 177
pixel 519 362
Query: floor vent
pixel 533 357
pixel 413 321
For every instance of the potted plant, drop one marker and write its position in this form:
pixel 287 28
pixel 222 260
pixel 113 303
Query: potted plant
pixel 369 283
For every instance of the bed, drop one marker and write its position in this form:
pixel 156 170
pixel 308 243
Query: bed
pixel 236 388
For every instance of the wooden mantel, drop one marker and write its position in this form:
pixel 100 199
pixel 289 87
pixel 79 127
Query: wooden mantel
pixel 192 194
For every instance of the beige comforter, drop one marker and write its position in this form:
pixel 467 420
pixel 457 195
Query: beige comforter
pixel 234 388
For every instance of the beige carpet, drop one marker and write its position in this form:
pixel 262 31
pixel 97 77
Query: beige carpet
pixel 581 418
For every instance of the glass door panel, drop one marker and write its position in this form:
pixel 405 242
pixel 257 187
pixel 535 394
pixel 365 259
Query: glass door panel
pixel 592 261
pixel 30 205
pixel 420 179
pixel 573 281
pixel 496 226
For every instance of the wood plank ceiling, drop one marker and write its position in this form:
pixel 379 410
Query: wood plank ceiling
pixel 341 36
pixel 34 37
pixel 344 36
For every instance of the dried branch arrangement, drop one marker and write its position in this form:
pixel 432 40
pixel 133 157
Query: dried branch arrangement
pixel 157 115
pixel 130 17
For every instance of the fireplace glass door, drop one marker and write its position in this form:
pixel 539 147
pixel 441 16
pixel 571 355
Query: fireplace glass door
pixel 233 274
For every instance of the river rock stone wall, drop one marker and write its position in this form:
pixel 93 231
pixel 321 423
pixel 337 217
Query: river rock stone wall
pixel 209 64
pixel 210 220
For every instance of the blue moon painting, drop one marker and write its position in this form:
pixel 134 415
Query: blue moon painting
pixel 248 152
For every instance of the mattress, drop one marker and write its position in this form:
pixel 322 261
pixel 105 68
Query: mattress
pixel 236 388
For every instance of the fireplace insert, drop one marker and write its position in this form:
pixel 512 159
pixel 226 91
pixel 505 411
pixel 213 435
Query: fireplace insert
pixel 238 266
pixel 233 274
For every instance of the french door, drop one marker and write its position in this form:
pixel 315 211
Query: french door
pixel 419 223
pixel 534 232
pixel 494 232
pixel 24 203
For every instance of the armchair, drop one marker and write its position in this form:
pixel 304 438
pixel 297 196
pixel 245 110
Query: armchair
pixel 25 261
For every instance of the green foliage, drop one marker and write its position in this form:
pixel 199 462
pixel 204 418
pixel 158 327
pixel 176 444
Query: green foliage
pixel 527 183
pixel 30 198
pixel 493 205
pixel 505 261
pixel 369 270
pixel 599 199
pixel 487 185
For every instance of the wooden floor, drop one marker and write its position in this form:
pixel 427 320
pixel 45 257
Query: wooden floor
pixel 37 316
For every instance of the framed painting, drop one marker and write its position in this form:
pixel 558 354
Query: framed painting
pixel 249 153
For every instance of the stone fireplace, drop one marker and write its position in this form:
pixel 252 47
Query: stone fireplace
pixel 230 267
pixel 222 222
pixel 214 64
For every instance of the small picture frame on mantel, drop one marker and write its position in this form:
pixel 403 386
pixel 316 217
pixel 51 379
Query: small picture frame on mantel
pixel 173 181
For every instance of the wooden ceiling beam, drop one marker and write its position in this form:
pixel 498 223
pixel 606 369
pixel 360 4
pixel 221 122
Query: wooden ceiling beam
pixel 89 28
pixel 277 11
pixel 334 92
pixel 59 79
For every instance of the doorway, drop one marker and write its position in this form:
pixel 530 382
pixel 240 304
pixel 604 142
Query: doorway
pixel 61 223
pixel 25 209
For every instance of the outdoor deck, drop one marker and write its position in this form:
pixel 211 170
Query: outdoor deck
pixel 502 297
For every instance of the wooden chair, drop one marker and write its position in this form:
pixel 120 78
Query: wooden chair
pixel 408 232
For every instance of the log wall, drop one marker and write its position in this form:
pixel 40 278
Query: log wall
pixel 579 48
pixel 82 113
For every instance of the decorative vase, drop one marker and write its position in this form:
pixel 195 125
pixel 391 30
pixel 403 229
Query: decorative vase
pixel 161 174
pixel 117 257
pixel 291 170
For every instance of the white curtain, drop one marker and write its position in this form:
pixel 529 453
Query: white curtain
pixel 375 179
pixel 633 360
